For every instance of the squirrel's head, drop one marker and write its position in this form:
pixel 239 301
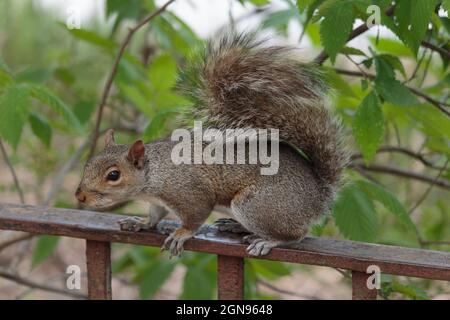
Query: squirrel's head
pixel 114 176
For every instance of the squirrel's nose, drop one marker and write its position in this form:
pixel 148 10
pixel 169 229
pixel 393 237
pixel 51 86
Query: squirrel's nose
pixel 80 195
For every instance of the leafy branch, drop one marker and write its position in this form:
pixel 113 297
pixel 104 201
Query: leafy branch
pixel 34 285
pixel 112 74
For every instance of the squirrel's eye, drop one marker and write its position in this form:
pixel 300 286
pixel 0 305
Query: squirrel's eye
pixel 113 175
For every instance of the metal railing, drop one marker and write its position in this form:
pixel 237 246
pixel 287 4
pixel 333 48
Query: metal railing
pixel 101 229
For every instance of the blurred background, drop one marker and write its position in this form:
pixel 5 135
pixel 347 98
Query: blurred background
pixel 55 56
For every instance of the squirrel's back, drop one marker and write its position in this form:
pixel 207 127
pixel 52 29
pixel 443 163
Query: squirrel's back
pixel 244 83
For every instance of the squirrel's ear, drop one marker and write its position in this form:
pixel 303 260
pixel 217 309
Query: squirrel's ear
pixel 109 138
pixel 136 154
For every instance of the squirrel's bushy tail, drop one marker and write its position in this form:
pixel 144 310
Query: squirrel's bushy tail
pixel 245 84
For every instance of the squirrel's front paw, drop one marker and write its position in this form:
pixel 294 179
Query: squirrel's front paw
pixel 175 241
pixel 134 224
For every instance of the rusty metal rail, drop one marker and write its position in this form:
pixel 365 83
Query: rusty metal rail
pixel 100 229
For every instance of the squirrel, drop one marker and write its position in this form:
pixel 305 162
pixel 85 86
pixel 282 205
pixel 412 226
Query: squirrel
pixel 242 83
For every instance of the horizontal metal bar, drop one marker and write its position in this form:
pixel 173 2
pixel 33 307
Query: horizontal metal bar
pixel 314 251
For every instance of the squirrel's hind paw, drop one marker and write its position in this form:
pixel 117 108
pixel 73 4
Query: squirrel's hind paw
pixel 134 224
pixel 229 225
pixel 259 246
pixel 175 241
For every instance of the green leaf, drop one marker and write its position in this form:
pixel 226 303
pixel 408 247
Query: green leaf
pixel 352 51
pixel 355 214
pixel 156 125
pixel 41 128
pixel 394 61
pixel 368 126
pixel 65 75
pixel 134 95
pixel 260 2
pixel 3 65
pixel 390 46
pixel 446 4
pixel 279 19
pixel 384 69
pixel 44 248
pixel 197 285
pixel 412 19
pixel 152 277
pixel 410 291
pixel 14 106
pixel 386 64
pixel 336 27
pixel 270 269
pixel 395 92
pixel 303 4
pixel 34 74
pixel 338 83
pixel 48 98
pixel 83 110
pixel 388 200
pixel 162 72
pixel 92 37
pixel 5 78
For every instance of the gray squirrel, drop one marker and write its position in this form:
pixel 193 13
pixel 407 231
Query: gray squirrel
pixel 242 83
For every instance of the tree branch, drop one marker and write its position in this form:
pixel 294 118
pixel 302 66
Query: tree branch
pixel 21 238
pixel 13 172
pixel 320 59
pixel 442 183
pixel 109 81
pixel 31 284
pixel 283 291
pixel 427 192
pixel 433 47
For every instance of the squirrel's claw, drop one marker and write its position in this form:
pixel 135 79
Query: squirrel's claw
pixel 175 241
pixel 259 246
pixel 134 224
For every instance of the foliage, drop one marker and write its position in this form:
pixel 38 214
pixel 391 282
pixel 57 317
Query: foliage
pixel 397 95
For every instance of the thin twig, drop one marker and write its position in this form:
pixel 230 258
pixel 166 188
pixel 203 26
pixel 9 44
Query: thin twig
pixel 109 81
pixel 417 92
pixel 283 291
pixel 13 173
pixel 28 283
pixel 405 151
pixel 11 242
pixel 416 69
pixel 442 183
pixel 423 197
